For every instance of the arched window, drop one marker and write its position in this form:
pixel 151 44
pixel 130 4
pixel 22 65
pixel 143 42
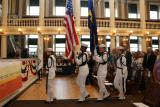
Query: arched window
pixel 134 44
pixel 155 43
pixel 60 44
pixel 108 42
pixel 107 10
pixel 32 44
pixel 33 8
pixel 84 8
pixel 154 12
pixel 133 11
pixel 60 7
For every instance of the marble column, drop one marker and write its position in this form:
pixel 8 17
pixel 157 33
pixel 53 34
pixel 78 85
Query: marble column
pixel 3 46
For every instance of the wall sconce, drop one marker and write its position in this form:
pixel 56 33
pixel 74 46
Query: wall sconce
pixel 100 39
pixel 1 31
pixel 97 30
pixel 148 39
pixel 125 39
pixel 46 38
pixel 39 30
pixel 130 32
pixel 113 32
pixel 147 33
pixel 20 30
pixel 77 30
pixel 59 30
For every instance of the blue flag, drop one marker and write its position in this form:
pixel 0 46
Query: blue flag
pixel 92 26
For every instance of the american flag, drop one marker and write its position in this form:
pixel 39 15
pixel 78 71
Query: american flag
pixel 71 36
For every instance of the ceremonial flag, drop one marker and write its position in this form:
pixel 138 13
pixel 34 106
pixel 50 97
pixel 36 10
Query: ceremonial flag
pixel 71 36
pixel 92 26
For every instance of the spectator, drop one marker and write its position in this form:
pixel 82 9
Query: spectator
pixel 148 64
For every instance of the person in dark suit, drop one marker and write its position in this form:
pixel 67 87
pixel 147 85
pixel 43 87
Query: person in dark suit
pixel 148 65
pixel 128 56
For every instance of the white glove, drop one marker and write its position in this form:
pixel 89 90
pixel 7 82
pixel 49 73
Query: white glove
pixel 95 52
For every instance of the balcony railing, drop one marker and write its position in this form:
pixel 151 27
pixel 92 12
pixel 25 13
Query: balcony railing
pixel 127 23
pixel 101 22
pixel 23 22
pixel 54 21
pixel 153 25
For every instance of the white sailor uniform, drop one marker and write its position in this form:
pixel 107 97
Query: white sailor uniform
pixel 81 60
pixel 121 76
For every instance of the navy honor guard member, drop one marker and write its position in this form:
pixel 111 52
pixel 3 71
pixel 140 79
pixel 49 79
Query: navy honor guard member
pixel 102 72
pixel 50 71
pixel 81 60
pixel 121 74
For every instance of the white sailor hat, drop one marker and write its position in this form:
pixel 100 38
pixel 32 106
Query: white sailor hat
pixel 84 45
pixel 102 46
pixel 120 47
pixel 49 49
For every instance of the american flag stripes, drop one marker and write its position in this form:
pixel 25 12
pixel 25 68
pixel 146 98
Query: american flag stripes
pixel 71 36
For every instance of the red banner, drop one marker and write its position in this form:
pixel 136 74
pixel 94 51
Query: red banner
pixel 10 78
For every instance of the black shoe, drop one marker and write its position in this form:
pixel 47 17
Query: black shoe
pixel 48 102
pixel 107 98
pixel 99 100
pixel 119 99
pixel 87 96
pixel 80 101
pixel 54 99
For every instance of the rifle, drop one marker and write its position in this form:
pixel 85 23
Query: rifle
pixel 122 75
pixel 47 81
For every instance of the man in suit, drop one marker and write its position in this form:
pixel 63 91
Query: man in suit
pixel 128 56
pixel 148 64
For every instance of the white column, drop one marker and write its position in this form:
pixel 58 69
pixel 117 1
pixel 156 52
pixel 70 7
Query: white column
pixel 41 15
pixel 112 13
pixel 41 24
pixel 123 9
pixel 142 13
pixel 40 49
pixel 47 6
pixel 4 46
pixel 143 44
pixel 113 42
pixel 20 11
pixel 98 8
pixel 53 7
pixel 77 9
pixel 13 10
pixel 102 8
pixel 143 23
pixel 112 22
pixel 4 12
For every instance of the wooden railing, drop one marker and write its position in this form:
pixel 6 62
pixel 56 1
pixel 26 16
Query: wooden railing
pixel 54 21
pixel 127 23
pixel 101 22
pixel 23 22
pixel 153 25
